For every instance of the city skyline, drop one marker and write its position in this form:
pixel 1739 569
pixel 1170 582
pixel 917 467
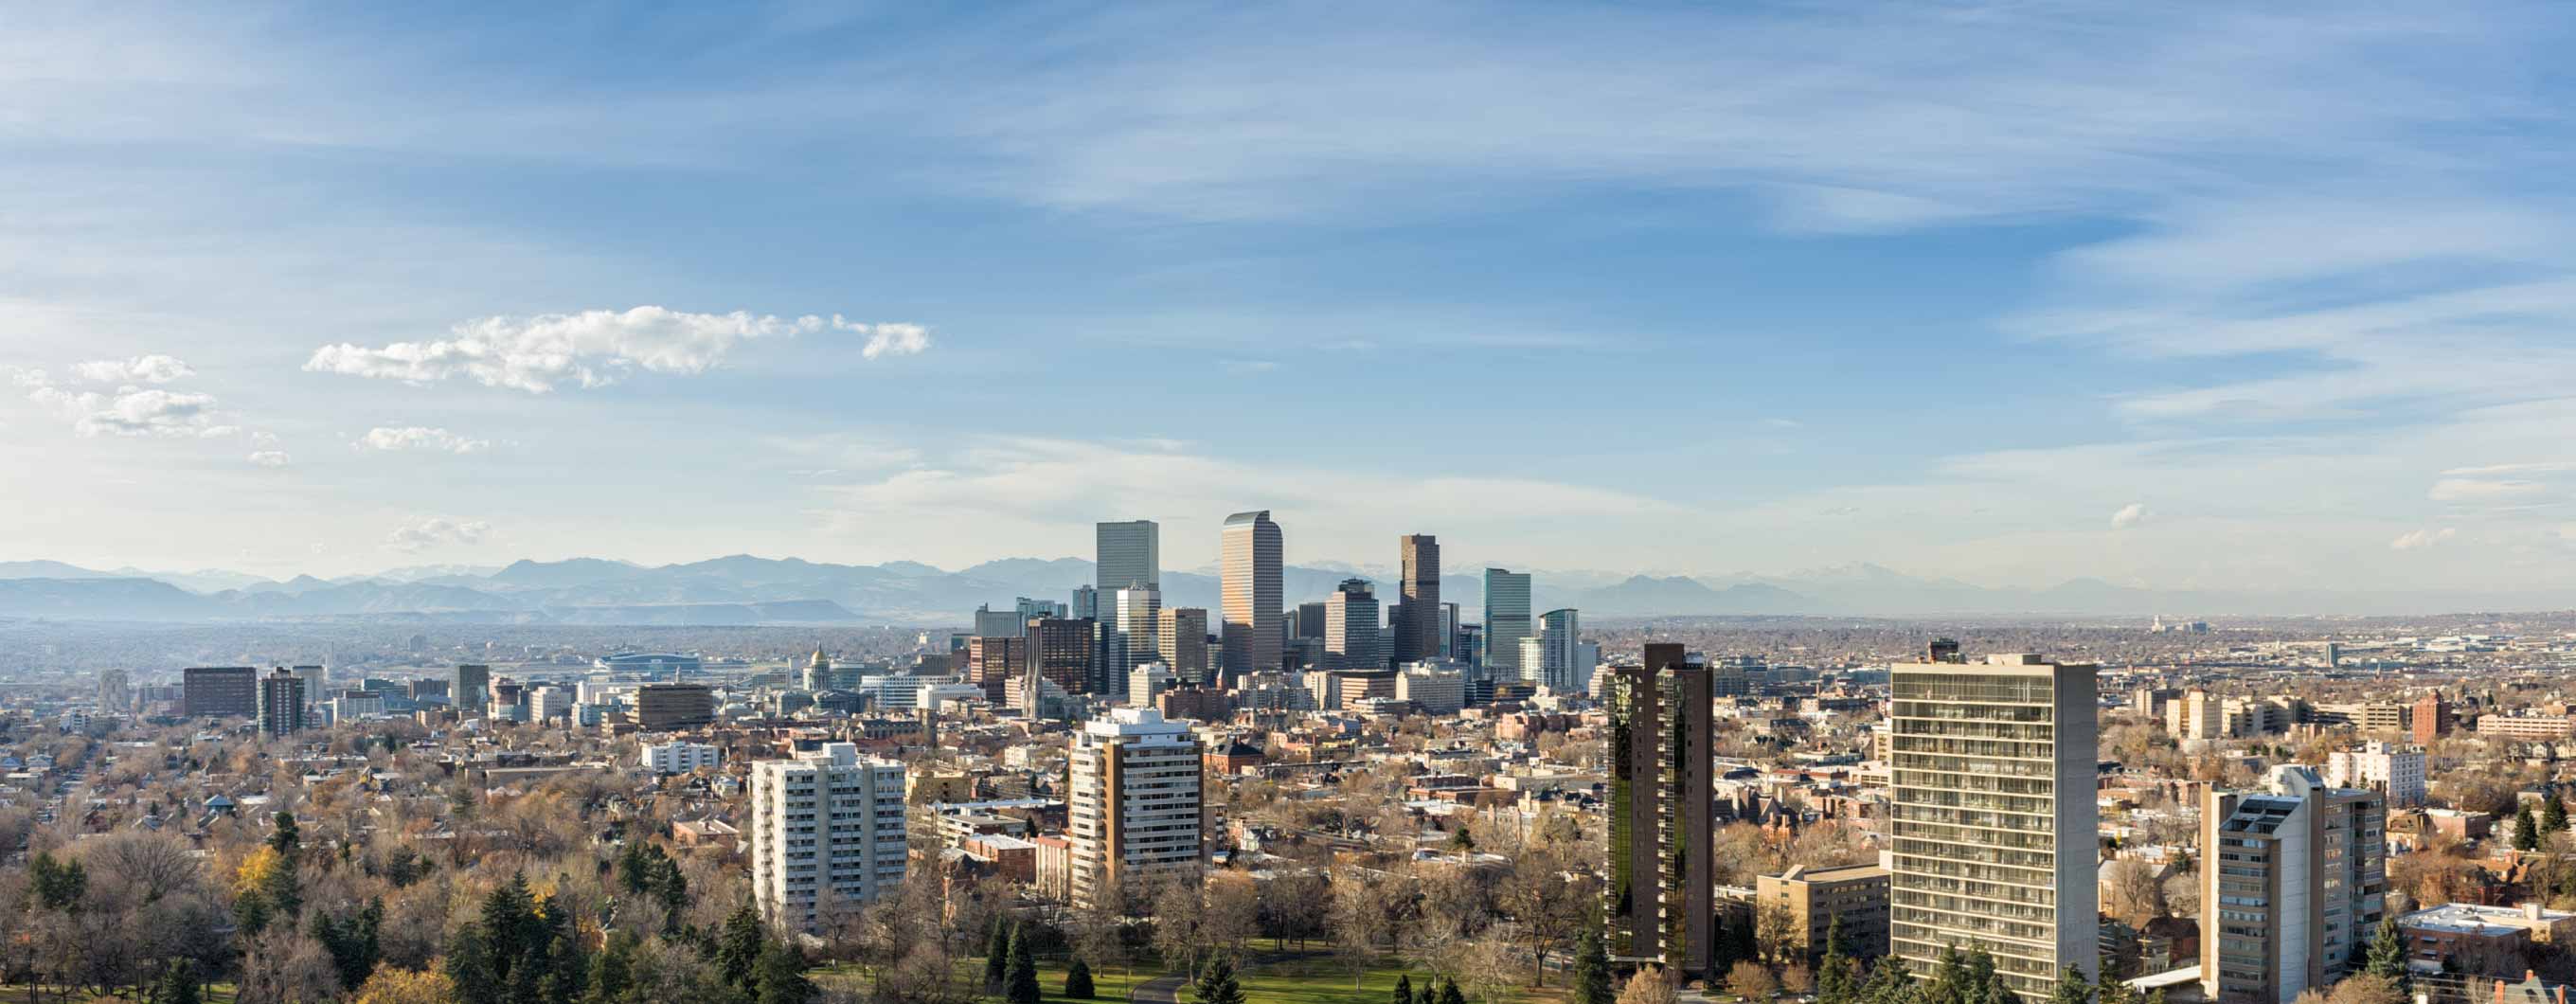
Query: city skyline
pixel 2183 302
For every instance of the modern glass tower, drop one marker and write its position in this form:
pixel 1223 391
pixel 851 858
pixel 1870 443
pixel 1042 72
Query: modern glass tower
pixel 1993 767
pixel 1351 639
pixel 1507 621
pixel 1129 553
pixel 1658 906
pixel 1417 627
pixel 1251 572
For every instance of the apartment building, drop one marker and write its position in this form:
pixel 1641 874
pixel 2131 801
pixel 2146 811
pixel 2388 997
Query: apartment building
pixel 827 834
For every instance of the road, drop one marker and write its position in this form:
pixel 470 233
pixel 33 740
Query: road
pixel 1159 990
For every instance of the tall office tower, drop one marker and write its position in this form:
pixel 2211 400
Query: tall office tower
pixel 990 663
pixel 991 623
pixel 1662 812
pixel 1061 650
pixel 1181 642
pixel 2296 888
pixel 1507 621
pixel 1448 630
pixel 828 820
pixel 1133 807
pixel 1306 621
pixel 1137 627
pixel 1351 639
pixel 473 689
pixel 1128 554
pixel 1033 609
pixel 1563 667
pixel 818 673
pixel 1993 765
pixel 281 704
pixel 219 691
pixel 1251 555
pixel 317 683
pixel 1086 603
pixel 1417 628
pixel 115 693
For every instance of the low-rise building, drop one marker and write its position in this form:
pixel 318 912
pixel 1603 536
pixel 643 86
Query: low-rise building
pixel 1814 898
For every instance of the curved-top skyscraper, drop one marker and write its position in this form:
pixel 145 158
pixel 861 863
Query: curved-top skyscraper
pixel 1250 555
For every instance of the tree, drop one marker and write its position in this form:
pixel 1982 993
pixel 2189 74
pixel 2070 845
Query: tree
pixel 352 941
pixel 1648 986
pixel 285 839
pixel 2526 830
pixel 1889 983
pixel 177 985
pixel 2386 955
pixel 2132 892
pixel 2072 987
pixel 1591 969
pixel 1077 981
pixel 59 885
pixel 1216 984
pixel 1020 983
pixel 1449 993
pixel 2553 813
pixel 2367 989
pixel 781 975
pixel 1752 981
pixel 405 986
pixel 1403 988
pixel 738 950
pixel 1836 980
pixel 2109 989
pixel 997 955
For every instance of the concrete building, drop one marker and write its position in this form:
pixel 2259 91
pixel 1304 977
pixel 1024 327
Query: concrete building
pixel 1136 629
pixel 1562 666
pixel 991 623
pixel 1813 899
pixel 1993 769
pixel 1436 690
pixel 1417 622
pixel 317 682
pixel 472 691
pixel 2297 887
pixel 1351 637
pixel 2397 773
pixel 1128 553
pixel 991 661
pixel 679 757
pixel 1147 682
pixel 1181 641
pixel 827 834
pixel 1133 806
pixel 281 704
pixel 219 692
pixel 1658 905
pixel 666 707
pixel 548 703
pixel 1251 556
pixel 2481 940
pixel 1061 650
pixel 2527 727
pixel 1507 621
pixel 2431 720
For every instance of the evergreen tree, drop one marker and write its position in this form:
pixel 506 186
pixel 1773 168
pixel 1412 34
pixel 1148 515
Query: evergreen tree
pixel 1020 983
pixel 1949 979
pixel 1592 983
pixel 1449 993
pixel 1890 983
pixel 612 971
pixel 782 976
pixel 1077 981
pixel 997 955
pixel 59 885
pixel 2553 813
pixel 1216 984
pixel 177 985
pixel 1404 988
pixel 471 967
pixel 738 952
pixel 1978 986
pixel 2114 990
pixel 1835 981
pixel 351 941
pixel 2386 953
pixel 2526 830
pixel 1428 992
pixel 285 839
pixel 2072 987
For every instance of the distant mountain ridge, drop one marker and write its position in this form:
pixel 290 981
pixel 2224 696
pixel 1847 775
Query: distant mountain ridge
pixel 745 589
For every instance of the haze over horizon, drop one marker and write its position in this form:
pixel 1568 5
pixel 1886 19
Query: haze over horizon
pixel 2257 301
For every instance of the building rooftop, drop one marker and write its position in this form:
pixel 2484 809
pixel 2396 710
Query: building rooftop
pixel 2471 918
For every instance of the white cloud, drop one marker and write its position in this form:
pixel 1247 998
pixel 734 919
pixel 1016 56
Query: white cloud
pixel 2129 515
pixel 436 531
pixel 136 411
pixel 154 368
pixel 2413 540
pixel 2485 490
pixel 593 348
pixel 2538 467
pixel 270 458
pixel 415 437
pixel 891 339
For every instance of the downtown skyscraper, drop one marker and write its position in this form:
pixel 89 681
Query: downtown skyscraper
pixel 1659 905
pixel 1251 572
pixel 1993 772
pixel 1417 618
pixel 1507 621
pixel 1128 553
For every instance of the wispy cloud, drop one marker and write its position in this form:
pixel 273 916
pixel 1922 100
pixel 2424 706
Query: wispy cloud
pixel 2129 515
pixel 270 458
pixel 593 348
pixel 145 369
pixel 430 532
pixel 413 437
pixel 2416 540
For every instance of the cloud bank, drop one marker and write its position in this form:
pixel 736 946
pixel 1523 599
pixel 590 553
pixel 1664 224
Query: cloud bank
pixel 593 348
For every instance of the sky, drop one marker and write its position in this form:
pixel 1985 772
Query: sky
pixel 2272 296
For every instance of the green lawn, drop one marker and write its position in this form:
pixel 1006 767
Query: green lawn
pixel 1108 985
pixel 1267 978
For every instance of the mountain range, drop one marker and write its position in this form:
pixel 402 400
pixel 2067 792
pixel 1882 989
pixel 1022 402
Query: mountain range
pixel 742 589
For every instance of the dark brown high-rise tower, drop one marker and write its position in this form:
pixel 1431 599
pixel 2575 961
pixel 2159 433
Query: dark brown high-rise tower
pixel 1417 619
pixel 1662 812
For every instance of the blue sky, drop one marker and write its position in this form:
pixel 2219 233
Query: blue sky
pixel 2206 296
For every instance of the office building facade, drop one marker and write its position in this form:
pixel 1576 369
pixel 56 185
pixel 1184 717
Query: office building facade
pixel 827 834
pixel 1562 665
pixel 1128 553
pixel 1251 558
pixel 1993 768
pixel 219 692
pixel 1181 642
pixel 1658 906
pixel 1137 628
pixel 1507 621
pixel 473 687
pixel 660 707
pixel 1351 637
pixel 1417 623
pixel 281 704
pixel 1134 808
pixel 1061 651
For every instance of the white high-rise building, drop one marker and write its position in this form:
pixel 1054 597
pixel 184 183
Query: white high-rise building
pixel 679 757
pixel 827 834
pixel 1993 767
pixel 1562 666
pixel 2389 769
pixel 1251 556
pixel 1507 621
pixel 1127 554
pixel 1146 682
pixel 1134 808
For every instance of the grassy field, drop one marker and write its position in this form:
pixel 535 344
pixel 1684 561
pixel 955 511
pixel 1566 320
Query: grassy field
pixel 1267 978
